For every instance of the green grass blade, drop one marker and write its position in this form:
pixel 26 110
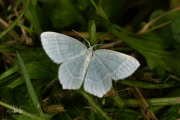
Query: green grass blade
pixel 154 101
pixel 91 101
pixel 25 28
pixel 99 10
pixel 146 85
pixel 9 72
pixel 14 109
pixel 29 85
pixel 15 83
pixel 32 17
pixel 15 22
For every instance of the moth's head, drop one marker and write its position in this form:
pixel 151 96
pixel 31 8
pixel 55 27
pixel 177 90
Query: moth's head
pixel 91 48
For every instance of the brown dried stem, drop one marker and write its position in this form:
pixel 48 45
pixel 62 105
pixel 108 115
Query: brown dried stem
pixel 144 104
pixel 146 27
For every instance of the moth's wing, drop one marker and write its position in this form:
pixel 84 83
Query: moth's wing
pixel 60 47
pixel 118 64
pixel 71 73
pixel 97 81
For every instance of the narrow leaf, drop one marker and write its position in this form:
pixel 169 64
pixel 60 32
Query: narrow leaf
pixel 29 85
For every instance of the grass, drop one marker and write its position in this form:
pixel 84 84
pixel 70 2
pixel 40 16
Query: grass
pixel 28 78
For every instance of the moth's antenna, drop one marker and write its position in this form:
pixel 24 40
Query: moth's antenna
pixel 96 45
pixel 83 38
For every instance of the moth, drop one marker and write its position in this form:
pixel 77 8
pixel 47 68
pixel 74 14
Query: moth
pixel 80 65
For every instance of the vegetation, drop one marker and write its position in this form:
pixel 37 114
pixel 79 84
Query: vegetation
pixel 149 30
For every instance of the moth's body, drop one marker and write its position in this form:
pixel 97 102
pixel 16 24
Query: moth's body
pixel 89 54
pixel 88 58
pixel 95 70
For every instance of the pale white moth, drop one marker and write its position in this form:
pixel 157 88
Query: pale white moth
pixel 81 65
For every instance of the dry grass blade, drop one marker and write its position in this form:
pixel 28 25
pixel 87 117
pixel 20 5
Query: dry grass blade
pixel 144 104
pixel 146 27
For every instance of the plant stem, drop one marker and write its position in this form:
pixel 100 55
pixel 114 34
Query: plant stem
pixel 144 104
pixel 14 109
pixel 120 103
pixel 154 28
pixel 91 101
pixel 145 28
pixel 145 85
pixel 99 10
pixel 174 77
pixel 154 101
pixel 92 32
